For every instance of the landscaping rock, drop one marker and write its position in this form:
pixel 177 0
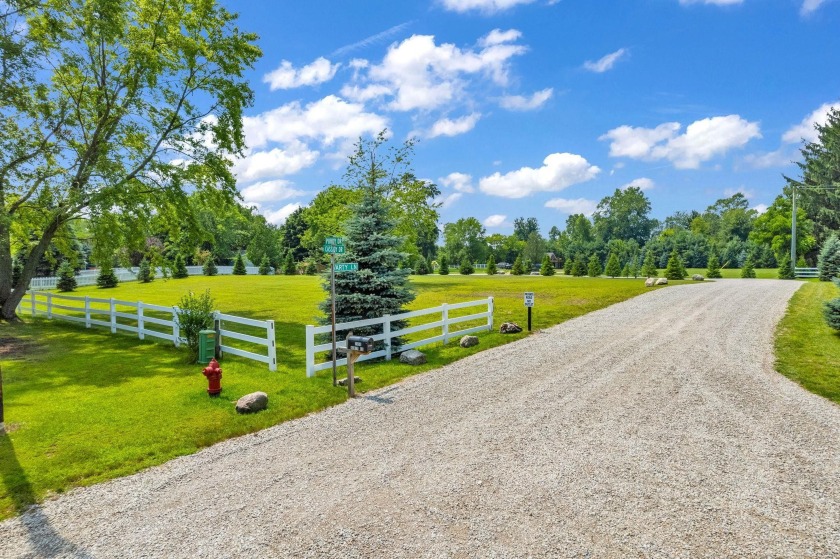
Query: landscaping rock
pixel 413 357
pixel 510 328
pixel 344 381
pixel 697 277
pixel 469 341
pixel 650 282
pixel 662 281
pixel 252 403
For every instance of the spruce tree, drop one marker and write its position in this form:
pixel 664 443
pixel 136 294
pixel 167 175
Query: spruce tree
pixel 265 266
pixel 800 262
pixel 378 287
pixel 635 268
pixel 239 266
pixel 66 277
pixel 785 268
pixel 579 266
pixel 713 267
pixel 491 266
pixel 430 265
pixel 567 265
pixel 527 266
pixel 106 278
pixel 443 265
pixel 748 271
pixel 209 268
pixel 593 270
pixel 613 267
pixel 829 259
pixel 289 267
pixel 145 274
pixel 311 267
pixel 625 271
pixel 649 269
pixel 466 268
pixel 421 268
pixel 179 269
pixel 674 269
pixel 546 268
pixel 517 267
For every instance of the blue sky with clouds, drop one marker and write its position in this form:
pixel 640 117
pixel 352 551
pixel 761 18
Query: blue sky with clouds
pixel 539 107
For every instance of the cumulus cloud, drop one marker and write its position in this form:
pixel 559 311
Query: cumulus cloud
pixel 522 103
pixel 641 183
pixel 605 63
pixel 276 162
pixel 701 141
pixel 494 220
pixel 810 6
pixel 576 206
pixel 460 182
pixel 269 191
pixel 286 76
pixel 559 171
pixel 483 6
pixel 278 217
pixel 766 160
pixel 760 208
pixel 447 200
pixel 448 127
pixel 806 130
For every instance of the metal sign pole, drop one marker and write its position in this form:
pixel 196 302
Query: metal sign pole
pixel 529 319
pixel 332 288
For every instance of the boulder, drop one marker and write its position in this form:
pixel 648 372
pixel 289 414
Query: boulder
pixel 413 357
pixel 252 403
pixel 697 277
pixel 469 341
pixel 510 328
pixel 662 281
pixel 344 381
pixel 650 282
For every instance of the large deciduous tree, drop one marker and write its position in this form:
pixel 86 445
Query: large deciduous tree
pixel 624 215
pixel 113 111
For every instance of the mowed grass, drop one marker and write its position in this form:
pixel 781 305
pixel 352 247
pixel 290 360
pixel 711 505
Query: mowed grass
pixel 807 350
pixel 84 406
pixel 731 273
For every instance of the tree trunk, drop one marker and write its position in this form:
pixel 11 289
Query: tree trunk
pixel 9 300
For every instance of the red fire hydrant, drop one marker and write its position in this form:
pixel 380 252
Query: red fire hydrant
pixel 214 377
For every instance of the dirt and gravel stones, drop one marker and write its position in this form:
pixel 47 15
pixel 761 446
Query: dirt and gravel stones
pixel 596 439
pixel 510 328
pixel 252 403
pixel 413 357
pixel 469 341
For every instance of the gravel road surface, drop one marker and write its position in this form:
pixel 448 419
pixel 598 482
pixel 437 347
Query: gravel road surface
pixel 653 428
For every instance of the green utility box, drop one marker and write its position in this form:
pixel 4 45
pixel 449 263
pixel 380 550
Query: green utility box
pixel 206 345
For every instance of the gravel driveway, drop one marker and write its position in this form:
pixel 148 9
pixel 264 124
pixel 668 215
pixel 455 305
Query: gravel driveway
pixel 653 428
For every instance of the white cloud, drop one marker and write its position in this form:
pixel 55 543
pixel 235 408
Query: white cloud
pixel 559 171
pixel 577 206
pixel 372 40
pixel 287 77
pixel 810 6
pixel 701 141
pixel 446 200
pixel 460 182
pixel 642 184
pixel 805 129
pixel 605 63
pixel 327 120
pixel 521 103
pixel 760 208
pixel 448 127
pixel 494 220
pixel 499 37
pixel 278 217
pixel 269 191
pixel 769 159
pixel 484 6
pixel 276 162
pixel 729 192
pixel 712 2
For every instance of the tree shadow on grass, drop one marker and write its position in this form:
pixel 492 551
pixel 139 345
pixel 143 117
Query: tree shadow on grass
pixel 44 539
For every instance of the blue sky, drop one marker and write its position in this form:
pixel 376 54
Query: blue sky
pixel 538 107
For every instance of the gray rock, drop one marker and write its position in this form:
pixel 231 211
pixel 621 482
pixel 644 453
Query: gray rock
pixel 413 357
pixel 535 273
pixel 510 328
pixel 252 403
pixel 469 341
pixel 344 381
pixel 662 281
pixel 650 282
pixel 697 277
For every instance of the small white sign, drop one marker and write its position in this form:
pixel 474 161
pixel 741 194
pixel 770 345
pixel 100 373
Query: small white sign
pixel 529 298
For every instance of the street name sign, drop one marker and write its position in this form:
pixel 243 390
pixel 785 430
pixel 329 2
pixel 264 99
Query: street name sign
pixel 346 267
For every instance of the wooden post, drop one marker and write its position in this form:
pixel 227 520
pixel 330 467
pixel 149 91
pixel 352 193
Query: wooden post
pixel 352 356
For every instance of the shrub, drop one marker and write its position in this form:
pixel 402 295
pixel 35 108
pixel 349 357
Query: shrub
pixel 748 271
pixel 491 266
pixel 785 268
pixel 625 271
pixel 265 266
pixel 66 277
pixel 195 313
pixel 829 260
pixel 239 266
pixel 567 266
pixel 527 266
pixel 209 267
pixel 466 267
pixel 179 269
pixel 831 313
pixel 444 265
pixel 675 269
pixel 648 266
pixel 517 267
pixel 713 267
pixel 613 267
pixel 579 266
pixel 289 267
pixel 800 262
pixel 593 270
pixel 311 267
pixel 547 268
pixel 106 278
pixel 145 274
pixel 421 268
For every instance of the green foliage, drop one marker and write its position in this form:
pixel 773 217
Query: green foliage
pixel 146 274
pixel 66 277
pixel 517 269
pixel 800 262
pixel 579 266
pixel 106 278
pixel 179 268
pixel 265 266
pixel 443 265
pixel 624 216
pixel 466 234
pixel 829 260
pixel 289 267
pixel 593 269
pixel 311 267
pixel 613 267
pixel 831 313
pixel 466 268
pixel 625 271
pixel 528 266
pixel 491 266
pixel 239 266
pixel 675 269
pixel 567 266
pixel 421 268
pixel 748 271
pixel 713 267
pixel 649 269
pixel 785 267
pixel 546 268
pixel 17 271
pixel 195 313
pixel 209 268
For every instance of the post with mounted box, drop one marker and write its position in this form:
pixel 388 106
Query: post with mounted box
pixel 356 347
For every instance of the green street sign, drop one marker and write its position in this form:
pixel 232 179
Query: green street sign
pixel 334 241
pixel 347 267
pixel 333 249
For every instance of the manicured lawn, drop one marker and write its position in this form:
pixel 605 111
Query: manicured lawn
pixel 84 406
pixel 807 350
pixel 760 273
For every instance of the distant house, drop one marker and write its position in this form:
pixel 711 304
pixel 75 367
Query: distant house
pixel 555 260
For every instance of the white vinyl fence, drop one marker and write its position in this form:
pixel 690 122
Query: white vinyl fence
pixel 806 272
pixel 88 277
pixel 155 321
pixel 445 324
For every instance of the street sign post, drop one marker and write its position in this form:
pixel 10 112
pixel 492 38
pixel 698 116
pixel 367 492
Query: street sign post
pixel 529 302
pixel 333 246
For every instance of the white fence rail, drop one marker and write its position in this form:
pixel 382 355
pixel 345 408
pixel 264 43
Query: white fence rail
pixel 806 272
pixel 162 323
pixel 444 324
pixel 88 277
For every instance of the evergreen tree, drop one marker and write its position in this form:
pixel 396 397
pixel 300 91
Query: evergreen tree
pixel 179 269
pixel 466 267
pixel 527 266
pixel 239 266
pixel 378 287
pixel 613 267
pixel 209 268
pixel 635 268
pixel 106 278
pixel 66 277
pixel 517 267
pixel 444 265
pixel 289 267
pixel 674 270
pixel 579 266
pixel 567 266
pixel 625 271
pixel 312 267
pixel 748 271
pixel 593 270
pixel 785 268
pixel 421 268
pixel 491 266
pixel 265 266
pixel 829 259
pixel 430 264
pixel 546 268
pixel 800 262
pixel 713 268
pixel 145 274
pixel 649 267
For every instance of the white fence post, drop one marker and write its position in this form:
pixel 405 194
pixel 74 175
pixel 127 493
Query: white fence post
pixel 272 350
pixel 32 298
pixel 310 350
pixel 176 328
pixel 490 308
pixel 49 304
pixel 140 324
pixel 113 310
pixel 87 311
pixel 386 332
pixel 445 314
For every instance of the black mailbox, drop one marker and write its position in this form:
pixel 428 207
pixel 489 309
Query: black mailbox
pixel 362 344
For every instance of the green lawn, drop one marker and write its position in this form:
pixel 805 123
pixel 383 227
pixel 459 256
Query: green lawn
pixel 760 273
pixel 807 350
pixel 84 406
